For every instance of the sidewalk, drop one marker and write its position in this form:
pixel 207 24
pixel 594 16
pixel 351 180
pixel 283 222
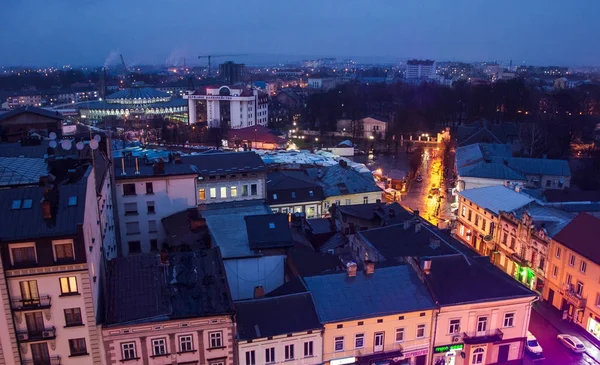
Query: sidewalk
pixel 554 317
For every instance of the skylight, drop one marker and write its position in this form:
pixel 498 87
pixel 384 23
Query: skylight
pixel 72 200
pixel 16 204
pixel 27 203
pixel 271 225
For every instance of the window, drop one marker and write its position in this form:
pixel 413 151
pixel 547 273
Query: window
pixel 77 346
pixel 186 344
pixel 132 227
pixel 16 204
pixel 569 277
pixel 548 183
pixel 134 246
pixel 483 224
pixel 337 202
pixel 476 220
pixel 572 260
pixel 461 230
pixel 159 347
pixel 270 355
pixel 421 331
pixel 149 188
pixel 399 334
pixel 253 189
pixel 202 194
pixel 509 320
pixel 250 357
pixel 311 193
pixel 244 190
pixel 308 349
pixel 29 292
pixel 579 289
pixel 289 352
pixel 477 356
pixel 481 324
pixel 555 271
pixel 583 266
pixel 23 253
pixel 72 201
pixel 233 191
pixel 558 252
pixel 463 211
pixel 128 351
pixel 542 263
pixel 223 192
pixel 154 244
pixel 365 200
pixel 128 189
pixel 150 206
pixel 598 300
pixel 68 285
pixel 274 196
pixel 27 203
pixel 131 208
pixel 152 226
pixel 454 326
pixel 63 251
pixel 512 242
pixel 213 193
pixel 293 195
pixel 338 344
pixel 216 339
pixel 73 317
pixel 470 215
pixel 359 341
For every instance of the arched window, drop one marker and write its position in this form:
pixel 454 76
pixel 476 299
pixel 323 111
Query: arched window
pixel 477 356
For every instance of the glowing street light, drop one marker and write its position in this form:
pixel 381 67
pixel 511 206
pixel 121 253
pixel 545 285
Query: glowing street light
pixel 371 137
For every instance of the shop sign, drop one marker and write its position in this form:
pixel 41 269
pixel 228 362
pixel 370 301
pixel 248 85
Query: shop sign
pixel 447 348
pixel 343 361
pixel 416 353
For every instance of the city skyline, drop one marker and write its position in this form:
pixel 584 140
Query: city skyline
pixel 88 32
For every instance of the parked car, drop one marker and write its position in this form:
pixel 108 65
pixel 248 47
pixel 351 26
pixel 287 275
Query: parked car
pixel 571 342
pixel 532 346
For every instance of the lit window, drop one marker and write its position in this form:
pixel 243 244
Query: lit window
pixel 213 193
pixel 233 191
pixel 274 196
pixel 223 192
pixel 202 194
pixel 68 285
pixel 509 320
pixel 63 251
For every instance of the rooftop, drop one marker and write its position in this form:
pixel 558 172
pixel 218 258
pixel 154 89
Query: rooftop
pixel 391 213
pixel 141 289
pixel 33 110
pixel 21 170
pixel 292 186
pixel 137 93
pixel 305 261
pixel 320 225
pixel 581 235
pixel 387 291
pixel 268 231
pixel 483 281
pixel 535 166
pixel 496 198
pixel 267 317
pixel 220 163
pixel 146 168
pixel 105 105
pixel 551 219
pixel 343 180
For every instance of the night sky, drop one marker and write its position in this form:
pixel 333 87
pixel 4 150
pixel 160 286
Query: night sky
pixel 55 32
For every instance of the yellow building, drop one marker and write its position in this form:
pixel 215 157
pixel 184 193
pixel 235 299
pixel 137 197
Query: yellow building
pixel 377 315
pixel 573 282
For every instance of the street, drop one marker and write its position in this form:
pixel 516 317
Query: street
pixel 555 353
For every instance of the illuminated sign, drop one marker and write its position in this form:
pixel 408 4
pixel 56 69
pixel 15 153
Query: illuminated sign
pixel 455 347
pixel 217 97
pixel 343 361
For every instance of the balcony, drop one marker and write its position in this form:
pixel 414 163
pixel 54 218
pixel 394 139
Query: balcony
pixel 43 302
pixel 37 335
pixel 572 297
pixel 54 360
pixel 475 338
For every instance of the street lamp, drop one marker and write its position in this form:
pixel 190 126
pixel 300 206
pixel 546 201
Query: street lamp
pixel 371 137
pixel 317 139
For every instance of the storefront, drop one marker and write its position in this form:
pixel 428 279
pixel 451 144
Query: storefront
pixel 593 325
pixel 448 354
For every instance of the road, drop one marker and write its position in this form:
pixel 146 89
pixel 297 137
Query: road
pixel 554 352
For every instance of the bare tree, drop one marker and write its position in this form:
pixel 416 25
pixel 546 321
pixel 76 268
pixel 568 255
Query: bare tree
pixel 533 138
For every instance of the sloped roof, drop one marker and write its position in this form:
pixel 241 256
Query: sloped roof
pixel 284 183
pixel 581 235
pixel 268 317
pixel 338 180
pixel 337 240
pixel 496 198
pixel 268 231
pixel 220 163
pixel 377 211
pixel 31 109
pixel 21 170
pixel 535 166
pixel 308 262
pixel 491 171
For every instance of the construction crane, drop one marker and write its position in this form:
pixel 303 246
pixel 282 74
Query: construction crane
pixel 124 69
pixel 209 57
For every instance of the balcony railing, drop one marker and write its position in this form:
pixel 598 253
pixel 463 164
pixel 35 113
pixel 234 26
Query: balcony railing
pixel 54 360
pixel 474 338
pixel 37 335
pixel 20 304
pixel 575 299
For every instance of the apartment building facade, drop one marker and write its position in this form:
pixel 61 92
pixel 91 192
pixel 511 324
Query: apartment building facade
pixel 574 272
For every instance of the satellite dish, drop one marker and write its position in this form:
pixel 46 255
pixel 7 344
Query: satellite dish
pixel 94 144
pixel 79 145
pixel 66 144
pixel 97 138
pixel 53 144
pixel 52 136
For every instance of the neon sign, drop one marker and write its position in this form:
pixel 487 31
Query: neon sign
pixel 441 349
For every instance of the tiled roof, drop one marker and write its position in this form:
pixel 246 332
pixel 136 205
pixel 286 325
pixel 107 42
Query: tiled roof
pixel 133 93
pixel 141 289
pixel 581 235
pixel 482 281
pixel 21 170
pixel 268 231
pixel 31 109
pixel 387 291
pixel 496 198
pixel 219 163
pixel 338 180
pixel 268 317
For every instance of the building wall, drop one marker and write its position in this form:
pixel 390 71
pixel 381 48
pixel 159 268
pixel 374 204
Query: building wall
pixel 244 274
pixel 468 315
pixel 279 342
pixel 470 225
pixel 216 182
pixel 9 349
pixel 350 199
pixel 304 207
pixel 370 326
pixel 22 123
pixel 171 195
pixel 465 183
pixel 199 329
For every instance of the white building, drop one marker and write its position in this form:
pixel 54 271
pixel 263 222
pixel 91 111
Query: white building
pixel 237 108
pixel 147 192
pixel 325 83
pixel 363 128
pixel 266 334
pixel 419 69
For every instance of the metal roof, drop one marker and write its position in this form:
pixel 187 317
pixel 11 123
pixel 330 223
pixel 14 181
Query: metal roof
pixel 496 198
pixel 221 163
pixel 268 231
pixel 387 291
pixel 535 166
pixel 103 105
pixel 21 170
pixel 134 93
pixel 31 109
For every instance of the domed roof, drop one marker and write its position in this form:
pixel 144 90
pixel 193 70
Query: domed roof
pixel 134 93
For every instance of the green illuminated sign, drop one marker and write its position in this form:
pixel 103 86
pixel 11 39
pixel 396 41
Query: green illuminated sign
pixel 440 349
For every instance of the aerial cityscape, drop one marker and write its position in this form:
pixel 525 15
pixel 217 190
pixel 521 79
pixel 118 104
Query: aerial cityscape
pixel 310 183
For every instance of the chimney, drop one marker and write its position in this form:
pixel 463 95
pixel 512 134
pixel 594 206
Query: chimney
pixel 351 269
pixel 417 227
pixel 46 209
pixel 369 267
pixel 416 213
pixel 164 257
pixel 259 292
pixel 426 266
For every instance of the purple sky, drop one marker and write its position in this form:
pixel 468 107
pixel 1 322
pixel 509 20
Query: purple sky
pixel 54 32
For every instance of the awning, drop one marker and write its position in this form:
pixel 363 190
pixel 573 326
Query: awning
pixel 390 356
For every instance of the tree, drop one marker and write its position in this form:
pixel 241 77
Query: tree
pixel 533 138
